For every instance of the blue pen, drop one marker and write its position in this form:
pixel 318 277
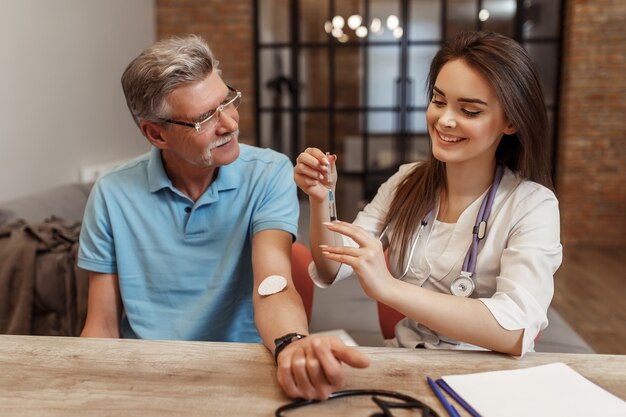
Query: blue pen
pixel 457 397
pixel 442 399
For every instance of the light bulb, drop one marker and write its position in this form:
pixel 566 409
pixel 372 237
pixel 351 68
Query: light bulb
pixel 337 32
pixel 338 22
pixel 361 31
pixel 392 22
pixel 376 26
pixel 354 21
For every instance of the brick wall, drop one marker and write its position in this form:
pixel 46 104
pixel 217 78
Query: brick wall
pixel 591 169
pixel 227 26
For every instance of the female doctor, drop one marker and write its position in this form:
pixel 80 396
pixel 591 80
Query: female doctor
pixel 472 233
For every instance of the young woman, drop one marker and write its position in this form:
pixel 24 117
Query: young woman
pixel 473 233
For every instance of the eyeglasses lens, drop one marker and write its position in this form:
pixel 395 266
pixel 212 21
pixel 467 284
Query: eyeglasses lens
pixel 232 102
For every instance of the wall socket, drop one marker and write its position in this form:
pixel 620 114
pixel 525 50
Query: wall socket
pixel 90 173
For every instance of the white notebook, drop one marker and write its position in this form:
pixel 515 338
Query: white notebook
pixel 547 390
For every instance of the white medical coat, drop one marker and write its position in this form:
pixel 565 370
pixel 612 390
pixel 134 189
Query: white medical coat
pixel 516 261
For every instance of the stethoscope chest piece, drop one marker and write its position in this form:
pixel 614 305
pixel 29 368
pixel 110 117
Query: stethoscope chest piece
pixel 462 286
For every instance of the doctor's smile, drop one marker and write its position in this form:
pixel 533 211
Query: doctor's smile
pixel 448 138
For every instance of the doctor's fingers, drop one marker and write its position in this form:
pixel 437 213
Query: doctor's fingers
pixel 307 163
pixel 356 233
pixel 313 158
pixel 343 250
pixel 351 261
pixel 323 157
pixel 308 174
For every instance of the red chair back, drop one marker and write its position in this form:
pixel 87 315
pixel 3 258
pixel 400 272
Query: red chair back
pixel 387 316
pixel 300 259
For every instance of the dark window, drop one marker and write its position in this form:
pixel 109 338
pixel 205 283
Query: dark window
pixel 363 97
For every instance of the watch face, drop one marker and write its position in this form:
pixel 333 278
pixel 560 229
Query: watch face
pixel 463 286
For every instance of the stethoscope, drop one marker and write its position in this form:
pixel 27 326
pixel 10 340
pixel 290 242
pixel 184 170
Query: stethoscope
pixel 464 285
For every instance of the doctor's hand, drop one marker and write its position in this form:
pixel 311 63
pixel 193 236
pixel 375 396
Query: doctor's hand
pixel 311 173
pixel 367 261
pixel 311 367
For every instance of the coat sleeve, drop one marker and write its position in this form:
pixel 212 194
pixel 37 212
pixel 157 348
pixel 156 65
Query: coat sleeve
pixel 371 218
pixel 525 284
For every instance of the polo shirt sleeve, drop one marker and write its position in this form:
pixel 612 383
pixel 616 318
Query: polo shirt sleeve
pixel 525 285
pixel 96 249
pixel 278 207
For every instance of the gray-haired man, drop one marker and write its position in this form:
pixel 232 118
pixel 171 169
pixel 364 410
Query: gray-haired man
pixel 178 240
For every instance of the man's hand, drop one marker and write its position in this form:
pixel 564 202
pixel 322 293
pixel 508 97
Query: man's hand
pixel 311 368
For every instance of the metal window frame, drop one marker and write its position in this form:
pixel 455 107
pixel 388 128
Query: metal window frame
pixel 402 109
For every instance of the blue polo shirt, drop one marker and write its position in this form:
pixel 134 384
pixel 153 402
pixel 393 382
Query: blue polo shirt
pixel 185 269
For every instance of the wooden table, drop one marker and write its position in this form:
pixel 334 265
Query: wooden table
pixel 58 376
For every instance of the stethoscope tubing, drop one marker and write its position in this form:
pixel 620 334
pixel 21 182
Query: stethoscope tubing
pixel 469 264
pixel 478 233
pixel 423 224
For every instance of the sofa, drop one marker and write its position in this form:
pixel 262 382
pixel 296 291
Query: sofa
pixel 66 202
pixel 42 292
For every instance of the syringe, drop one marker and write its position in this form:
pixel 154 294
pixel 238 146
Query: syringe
pixel 332 208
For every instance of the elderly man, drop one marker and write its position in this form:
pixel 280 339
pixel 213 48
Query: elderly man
pixel 177 241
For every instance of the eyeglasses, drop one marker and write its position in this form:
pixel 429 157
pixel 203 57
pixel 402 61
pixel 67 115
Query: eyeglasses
pixel 402 402
pixel 231 102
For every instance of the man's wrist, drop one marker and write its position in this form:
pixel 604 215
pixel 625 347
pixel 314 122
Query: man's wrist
pixel 284 341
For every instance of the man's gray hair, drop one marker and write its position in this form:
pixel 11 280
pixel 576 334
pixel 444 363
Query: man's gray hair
pixel 162 68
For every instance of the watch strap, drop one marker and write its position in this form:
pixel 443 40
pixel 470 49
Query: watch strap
pixel 283 341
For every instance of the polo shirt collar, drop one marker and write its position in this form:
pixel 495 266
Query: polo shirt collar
pixel 157 177
pixel 227 177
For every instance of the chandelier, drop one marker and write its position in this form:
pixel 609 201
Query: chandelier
pixel 339 27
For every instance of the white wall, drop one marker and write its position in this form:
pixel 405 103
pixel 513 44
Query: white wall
pixel 61 102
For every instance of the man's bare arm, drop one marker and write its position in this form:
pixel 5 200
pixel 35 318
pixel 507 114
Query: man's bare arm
pixel 104 308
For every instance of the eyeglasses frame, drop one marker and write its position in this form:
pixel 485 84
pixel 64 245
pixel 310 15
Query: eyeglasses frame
pixel 218 110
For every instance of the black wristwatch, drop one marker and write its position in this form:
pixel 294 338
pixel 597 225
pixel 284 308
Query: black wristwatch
pixel 285 340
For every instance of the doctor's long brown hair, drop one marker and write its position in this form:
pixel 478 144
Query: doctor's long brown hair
pixel 512 73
